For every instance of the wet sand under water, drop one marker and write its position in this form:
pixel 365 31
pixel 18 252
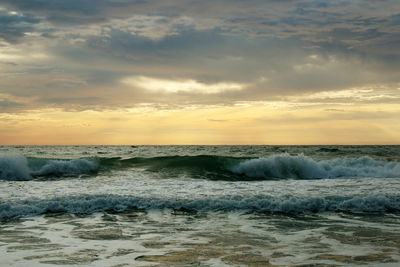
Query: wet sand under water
pixel 182 238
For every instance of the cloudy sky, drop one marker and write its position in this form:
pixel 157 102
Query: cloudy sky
pixel 199 72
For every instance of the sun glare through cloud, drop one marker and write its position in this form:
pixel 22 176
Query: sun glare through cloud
pixel 181 86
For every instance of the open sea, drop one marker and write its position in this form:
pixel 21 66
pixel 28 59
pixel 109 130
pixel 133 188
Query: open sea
pixel 199 206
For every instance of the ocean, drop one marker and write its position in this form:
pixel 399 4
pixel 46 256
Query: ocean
pixel 199 206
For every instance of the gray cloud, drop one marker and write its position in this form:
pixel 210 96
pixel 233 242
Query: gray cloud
pixel 73 11
pixel 13 26
pixel 276 48
pixel 7 106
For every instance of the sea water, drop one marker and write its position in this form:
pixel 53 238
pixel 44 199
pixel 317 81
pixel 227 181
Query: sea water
pixel 199 205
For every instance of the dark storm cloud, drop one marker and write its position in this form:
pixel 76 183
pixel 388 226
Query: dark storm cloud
pixel 127 45
pixel 77 12
pixel 13 26
pixel 72 11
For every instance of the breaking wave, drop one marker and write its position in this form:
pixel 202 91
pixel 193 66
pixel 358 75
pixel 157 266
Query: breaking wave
pixel 19 168
pixel 66 167
pixel 278 166
pixel 14 168
pixel 303 167
pixel 88 204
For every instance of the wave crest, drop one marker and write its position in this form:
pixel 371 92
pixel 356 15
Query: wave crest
pixel 67 167
pixel 14 168
pixel 303 167
pixel 88 204
pixel 279 166
pixel 20 168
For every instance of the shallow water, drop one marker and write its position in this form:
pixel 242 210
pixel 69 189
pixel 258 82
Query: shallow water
pixel 200 206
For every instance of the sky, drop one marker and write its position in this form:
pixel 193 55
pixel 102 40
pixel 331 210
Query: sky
pixel 210 72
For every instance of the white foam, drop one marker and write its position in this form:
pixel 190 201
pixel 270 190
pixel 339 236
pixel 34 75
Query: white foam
pixel 13 168
pixel 85 204
pixel 66 167
pixel 303 167
pixel 17 167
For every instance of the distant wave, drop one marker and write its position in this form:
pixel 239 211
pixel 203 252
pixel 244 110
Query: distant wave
pixel 278 166
pixel 87 204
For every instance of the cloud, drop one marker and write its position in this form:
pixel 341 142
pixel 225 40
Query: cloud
pixel 9 106
pixel 73 11
pixel 181 86
pixel 388 94
pixel 14 25
pixel 214 120
pixel 196 52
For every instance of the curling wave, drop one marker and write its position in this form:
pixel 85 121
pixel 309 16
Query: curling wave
pixel 278 166
pixel 19 168
pixel 285 166
pixel 14 168
pixel 87 204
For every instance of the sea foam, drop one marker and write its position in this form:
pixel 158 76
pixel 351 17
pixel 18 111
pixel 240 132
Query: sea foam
pixel 66 167
pixel 14 167
pixel 278 166
pixel 87 204
pixel 303 167
pixel 19 168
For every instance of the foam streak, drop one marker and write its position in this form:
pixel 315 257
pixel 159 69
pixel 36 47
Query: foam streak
pixel 87 204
